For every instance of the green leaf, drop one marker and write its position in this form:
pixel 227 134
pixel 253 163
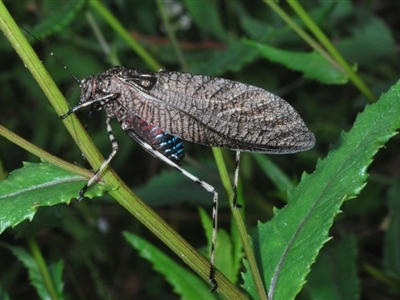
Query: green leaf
pixel 234 58
pixel 274 173
pixel 4 295
pixel 206 17
pixel 185 283
pixel 289 244
pixel 45 218
pixel 237 245
pixel 269 29
pixel 62 14
pixel 56 272
pixel 375 39
pixel 225 259
pixel 256 29
pixel 391 259
pixel 171 187
pixel 35 185
pixel 313 65
pixel 334 275
pixel 35 274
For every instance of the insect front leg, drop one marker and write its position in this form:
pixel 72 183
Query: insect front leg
pixel 99 101
pixel 114 146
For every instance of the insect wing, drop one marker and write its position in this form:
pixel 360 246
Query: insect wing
pixel 224 113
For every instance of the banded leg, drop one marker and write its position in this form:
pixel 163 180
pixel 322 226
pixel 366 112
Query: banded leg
pixel 235 182
pixel 114 146
pixel 96 104
pixel 203 184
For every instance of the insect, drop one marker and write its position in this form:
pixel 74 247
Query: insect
pixel 160 109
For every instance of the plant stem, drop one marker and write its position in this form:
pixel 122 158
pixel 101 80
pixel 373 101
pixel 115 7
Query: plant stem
pixel 240 225
pixel 44 155
pixel 123 194
pixel 334 57
pixel 171 35
pixel 323 39
pixel 37 255
pixel 124 34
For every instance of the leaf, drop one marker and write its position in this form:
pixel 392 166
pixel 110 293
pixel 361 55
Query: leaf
pixel 185 283
pixel 313 65
pixel 236 241
pixel 35 274
pixel 234 58
pixel 35 185
pixel 256 29
pixel 4 295
pixel 275 174
pixel 206 17
pixel 59 18
pixel 391 259
pixel 225 259
pixel 375 39
pixel 334 275
pixel 289 244
pixel 45 218
pixel 267 30
pixel 171 187
pixel 56 271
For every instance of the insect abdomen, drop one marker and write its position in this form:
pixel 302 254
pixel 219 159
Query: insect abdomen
pixel 168 145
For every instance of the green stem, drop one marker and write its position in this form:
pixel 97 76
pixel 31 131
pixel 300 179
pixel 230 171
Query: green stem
pixel 113 59
pixel 44 155
pixel 380 276
pixel 37 255
pixel 123 194
pixel 240 224
pixel 171 35
pixel 296 28
pixel 124 34
pixel 334 57
pixel 323 39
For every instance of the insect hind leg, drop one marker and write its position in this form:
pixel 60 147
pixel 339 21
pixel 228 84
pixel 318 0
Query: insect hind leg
pixel 235 182
pixel 114 146
pixel 209 188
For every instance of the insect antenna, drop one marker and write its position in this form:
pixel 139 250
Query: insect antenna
pixel 63 65
pixel 59 61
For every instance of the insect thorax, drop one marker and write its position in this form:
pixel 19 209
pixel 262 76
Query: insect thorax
pixel 116 89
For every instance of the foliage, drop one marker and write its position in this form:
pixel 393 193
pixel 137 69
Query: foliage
pixel 87 249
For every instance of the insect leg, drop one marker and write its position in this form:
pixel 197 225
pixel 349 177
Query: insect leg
pixel 100 101
pixel 235 183
pixel 114 146
pixel 203 184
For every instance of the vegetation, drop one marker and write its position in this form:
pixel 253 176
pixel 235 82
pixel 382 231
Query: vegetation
pixel 323 224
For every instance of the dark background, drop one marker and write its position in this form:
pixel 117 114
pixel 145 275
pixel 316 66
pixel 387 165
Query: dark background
pixel 96 256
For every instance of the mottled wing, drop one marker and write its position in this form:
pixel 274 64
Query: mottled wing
pixel 223 113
